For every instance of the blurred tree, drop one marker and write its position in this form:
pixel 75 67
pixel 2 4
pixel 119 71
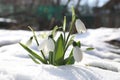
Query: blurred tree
pixel 108 15
pixel 24 11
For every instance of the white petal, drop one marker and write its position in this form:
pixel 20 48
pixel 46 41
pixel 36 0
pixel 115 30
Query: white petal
pixel 80 27
pixel 42 45
pixel 77 54
pixel 46 46
pixel 28 43
pixel 50 45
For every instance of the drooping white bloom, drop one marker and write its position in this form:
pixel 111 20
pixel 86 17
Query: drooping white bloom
pixel 28 43
pixel 80 27
pixel 50 45
pixel 77 54
pixel 47 45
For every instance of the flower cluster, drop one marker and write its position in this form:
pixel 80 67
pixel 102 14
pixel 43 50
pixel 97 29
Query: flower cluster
pixel 53 51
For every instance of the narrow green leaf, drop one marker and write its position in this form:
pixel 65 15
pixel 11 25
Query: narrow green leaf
pixel 70 59
pixel 73 14
pixel 59 51
pixel 69 42
pixel 71 25
pixel 51 58
pixel 73 11
pixel 33 58
pixel 43 55
pixel 54 30
pixel 64 24
pixel 89 49
pixel 33 53
pixel 34 35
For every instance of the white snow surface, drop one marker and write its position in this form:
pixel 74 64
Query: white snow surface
pixel 102 63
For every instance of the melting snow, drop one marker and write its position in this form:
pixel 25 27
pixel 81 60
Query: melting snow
pixel 103 63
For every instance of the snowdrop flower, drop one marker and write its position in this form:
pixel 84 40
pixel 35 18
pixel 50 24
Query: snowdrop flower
pixel 80 27
pixel 47 45
pixel 28 43
pixel 77 53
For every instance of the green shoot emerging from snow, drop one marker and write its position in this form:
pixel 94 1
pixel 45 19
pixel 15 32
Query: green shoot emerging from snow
pixel 53 51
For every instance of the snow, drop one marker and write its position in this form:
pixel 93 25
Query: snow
pixel 7 20
pixel 103 63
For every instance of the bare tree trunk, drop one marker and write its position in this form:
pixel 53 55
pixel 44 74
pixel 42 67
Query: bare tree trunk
pixel 58 2
pixel 67 3
pixel 77 7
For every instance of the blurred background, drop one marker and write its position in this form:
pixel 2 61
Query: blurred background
pixel 45 14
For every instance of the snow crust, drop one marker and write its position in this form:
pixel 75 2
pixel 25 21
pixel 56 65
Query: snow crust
pixel 103 63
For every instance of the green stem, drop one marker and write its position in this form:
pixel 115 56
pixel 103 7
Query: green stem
pixel 70 31
pixel 34 35
pixel 43 56
pixel 63 35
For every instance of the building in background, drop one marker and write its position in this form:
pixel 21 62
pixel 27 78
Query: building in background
pixel 108 15
pixel 37 13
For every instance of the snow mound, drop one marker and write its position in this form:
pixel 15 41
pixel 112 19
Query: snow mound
pixel 103 63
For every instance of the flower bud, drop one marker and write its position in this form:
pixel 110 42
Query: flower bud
pixel 47 45
pixel 28 43
pixel 77 54
pixel 80 27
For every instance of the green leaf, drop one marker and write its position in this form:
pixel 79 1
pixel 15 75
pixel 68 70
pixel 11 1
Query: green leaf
pixel 64 24
pixel 73 11
pixel 43 55
pixel 89 49
pixel 51 58
pixel 70 59
pixel 69 42
pixel 34 35
pixel 33 53
pixel 54 30
pixel 73 14
pixel 71 25
pixel 33 58
pixel 59 51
